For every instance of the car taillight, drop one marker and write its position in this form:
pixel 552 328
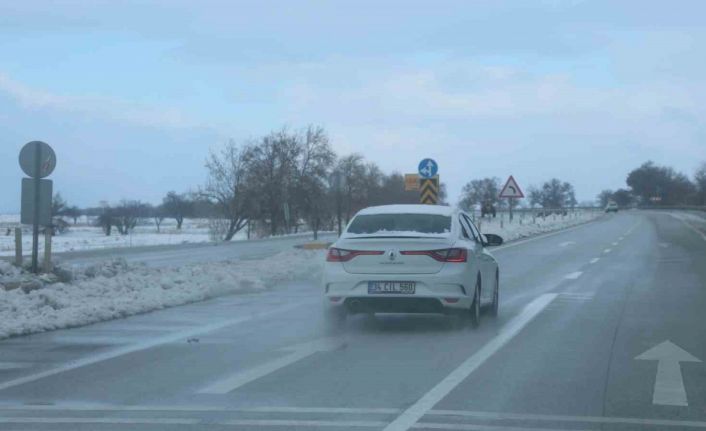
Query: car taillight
pixel 443 255
pixel 341 255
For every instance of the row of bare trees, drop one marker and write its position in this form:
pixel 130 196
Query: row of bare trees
pixel 276 184
pixel 553 193
pixel 289 178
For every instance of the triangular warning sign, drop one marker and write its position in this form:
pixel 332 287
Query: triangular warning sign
pixel 511 189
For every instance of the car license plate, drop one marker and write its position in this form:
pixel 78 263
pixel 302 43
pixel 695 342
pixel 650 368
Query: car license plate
pixel 383 287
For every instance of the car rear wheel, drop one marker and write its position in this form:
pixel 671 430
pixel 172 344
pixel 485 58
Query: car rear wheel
pixel 495 306
pixel 475 307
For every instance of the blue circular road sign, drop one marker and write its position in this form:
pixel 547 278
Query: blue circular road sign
pixel 428 168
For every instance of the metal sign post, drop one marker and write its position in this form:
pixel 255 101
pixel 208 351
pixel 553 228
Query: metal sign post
pixel 37 160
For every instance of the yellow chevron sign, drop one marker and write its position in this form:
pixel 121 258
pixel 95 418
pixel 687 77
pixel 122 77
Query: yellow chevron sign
pixel 429 191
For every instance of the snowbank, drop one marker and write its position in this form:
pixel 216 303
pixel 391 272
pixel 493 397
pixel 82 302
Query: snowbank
pixel 117 289
pixel 524 225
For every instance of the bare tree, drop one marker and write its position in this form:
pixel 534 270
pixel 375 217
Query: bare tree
pixel 480 192
pixel 272 167
pixel 700 180
pixel 604 197
pixel 158 214
pixel 312 170
pixel 177 206
pixel 127 214
pixel 74 212
pixel 105 218
pixel 226 188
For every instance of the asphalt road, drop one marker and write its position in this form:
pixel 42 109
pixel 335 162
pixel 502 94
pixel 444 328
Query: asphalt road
pixel 602 327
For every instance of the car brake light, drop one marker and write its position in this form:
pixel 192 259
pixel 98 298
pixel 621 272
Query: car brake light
pixel 443 255
pixel 341 255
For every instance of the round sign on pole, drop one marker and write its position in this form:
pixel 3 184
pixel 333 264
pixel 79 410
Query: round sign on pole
pixel 428 168
pixel 37 159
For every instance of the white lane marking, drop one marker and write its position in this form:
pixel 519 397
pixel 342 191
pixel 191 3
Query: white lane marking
pixel 615 244
pixel 565 418
pixel 669 383
pixel 573 275
pixel 538 237
pixel 594 260
pixel 193 408
pixel 567 243
pixel 575 297
pixel 181 335
pixel 607 250
pixel 415 412
pixel 299 352
pixel 621 238
pixel 632 228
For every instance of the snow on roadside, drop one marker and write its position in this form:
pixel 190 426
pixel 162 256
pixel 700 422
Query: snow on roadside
pixel 530 227
pixel 121 290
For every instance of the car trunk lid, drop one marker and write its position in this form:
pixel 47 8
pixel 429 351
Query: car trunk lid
pixel 391 261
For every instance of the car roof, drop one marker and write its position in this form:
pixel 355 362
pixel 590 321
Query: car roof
pixel 409 209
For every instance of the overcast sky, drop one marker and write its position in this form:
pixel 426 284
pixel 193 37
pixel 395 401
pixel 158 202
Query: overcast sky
pixel 132 95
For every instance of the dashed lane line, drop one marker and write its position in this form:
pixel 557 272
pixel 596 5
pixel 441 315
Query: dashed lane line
pixel 594 260
pixel 607 250
pixel 573 275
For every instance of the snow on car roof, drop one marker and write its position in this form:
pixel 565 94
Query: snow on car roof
pixel 408 209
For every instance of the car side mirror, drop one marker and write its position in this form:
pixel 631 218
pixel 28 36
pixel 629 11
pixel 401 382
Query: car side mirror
pixel 492 240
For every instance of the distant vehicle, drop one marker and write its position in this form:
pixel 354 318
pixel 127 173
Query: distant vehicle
pixel 411 259
pixel 611 207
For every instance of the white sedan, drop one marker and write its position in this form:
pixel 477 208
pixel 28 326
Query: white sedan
pixel 412 259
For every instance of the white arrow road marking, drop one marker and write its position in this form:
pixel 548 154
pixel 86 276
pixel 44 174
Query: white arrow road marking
pixel 567 243
pixel 299 352
pixel 669 384
pixel 573 275
pixel 415 412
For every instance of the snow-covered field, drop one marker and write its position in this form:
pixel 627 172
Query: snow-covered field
pixel 115 289
pixel 84 236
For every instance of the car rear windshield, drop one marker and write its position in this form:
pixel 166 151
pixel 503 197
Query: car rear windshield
pixel 396 224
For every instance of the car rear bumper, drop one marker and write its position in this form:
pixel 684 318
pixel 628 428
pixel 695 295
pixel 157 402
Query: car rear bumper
pixel 448 290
